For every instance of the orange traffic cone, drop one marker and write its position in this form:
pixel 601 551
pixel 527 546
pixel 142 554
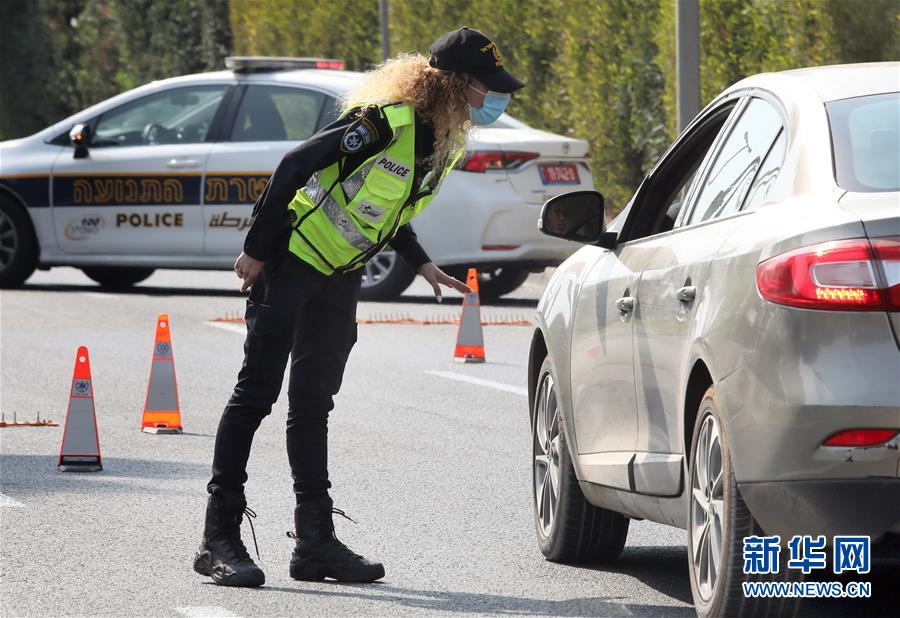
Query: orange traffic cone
pixel 161 412
pixel 80 449
pixel 469 339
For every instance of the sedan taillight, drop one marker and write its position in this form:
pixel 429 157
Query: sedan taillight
pixel 484 160
pixel 847 275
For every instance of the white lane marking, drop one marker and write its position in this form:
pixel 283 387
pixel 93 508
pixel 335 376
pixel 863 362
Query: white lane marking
pixel 7 501
pixel 205 612
pixel 500 386
pixel 99 295
pixel 240 329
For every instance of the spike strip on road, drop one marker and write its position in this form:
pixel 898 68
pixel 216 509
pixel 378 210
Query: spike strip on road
pixel 397 319
pixel 29 424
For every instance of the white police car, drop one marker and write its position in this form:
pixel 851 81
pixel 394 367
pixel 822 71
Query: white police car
pixel 165 176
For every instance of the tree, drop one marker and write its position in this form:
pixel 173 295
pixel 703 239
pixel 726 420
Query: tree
pixel 739 38
pixel 615 91
pixel 346 29
pixel 171 37
pixel 865 30
pixel 602 71
pixel 35 40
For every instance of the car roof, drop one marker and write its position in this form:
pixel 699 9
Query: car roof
pixel 337 82
pixel 832 82
pixel 330 81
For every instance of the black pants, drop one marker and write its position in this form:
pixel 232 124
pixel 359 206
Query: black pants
pixel 293 309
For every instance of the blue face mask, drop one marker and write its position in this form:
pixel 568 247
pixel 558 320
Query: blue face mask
pixel 494 105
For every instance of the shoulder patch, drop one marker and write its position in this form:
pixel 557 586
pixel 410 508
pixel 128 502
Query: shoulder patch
pixel 361 133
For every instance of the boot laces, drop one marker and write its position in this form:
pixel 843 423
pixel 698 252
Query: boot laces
pixel 236 548
pixel 342 514
pixel 251 515
pixel 343 548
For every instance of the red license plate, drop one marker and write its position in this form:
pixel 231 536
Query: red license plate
pixel 559 174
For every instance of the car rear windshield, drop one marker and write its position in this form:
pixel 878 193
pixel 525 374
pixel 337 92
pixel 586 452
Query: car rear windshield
pixel 865 133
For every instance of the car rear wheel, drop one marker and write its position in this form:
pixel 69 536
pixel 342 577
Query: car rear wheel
pixel 718 521
pixel 18 245
pixel 493 282
pixel 569 528
pixel 386 276
pixel 117 277
pixel 497 282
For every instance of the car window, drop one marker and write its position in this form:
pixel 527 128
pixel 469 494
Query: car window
pixel 661 197
pixel 331 109
pixel 674 204
pixel 866 141
pixel 734 169
pixel 277 113
pixel 767 174
pixel 175 116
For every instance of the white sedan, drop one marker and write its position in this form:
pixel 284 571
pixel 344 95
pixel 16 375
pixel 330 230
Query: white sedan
pixel 165 176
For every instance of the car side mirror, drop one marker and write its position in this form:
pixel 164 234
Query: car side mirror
pixel 577 216
pixel 80 137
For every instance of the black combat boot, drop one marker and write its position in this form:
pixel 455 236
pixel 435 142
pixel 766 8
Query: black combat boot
pixel 222 554
pixel 318 554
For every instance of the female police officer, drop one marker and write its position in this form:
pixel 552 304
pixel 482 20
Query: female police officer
pixel 363 179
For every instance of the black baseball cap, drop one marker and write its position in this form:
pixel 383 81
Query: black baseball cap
pixel 469 51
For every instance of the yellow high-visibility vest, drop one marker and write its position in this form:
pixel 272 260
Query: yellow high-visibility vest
pixel 342 222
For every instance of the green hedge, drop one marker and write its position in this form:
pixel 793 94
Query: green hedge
pixel 599 70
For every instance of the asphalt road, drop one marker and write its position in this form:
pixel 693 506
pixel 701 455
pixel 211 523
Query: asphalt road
pixel 435 469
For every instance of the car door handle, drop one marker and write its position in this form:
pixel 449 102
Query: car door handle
pixel 625 304
pixel 686 294
pixel 182 164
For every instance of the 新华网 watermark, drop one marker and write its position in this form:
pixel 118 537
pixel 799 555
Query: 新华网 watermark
pixel 806 554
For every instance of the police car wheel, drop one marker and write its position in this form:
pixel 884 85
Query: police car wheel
pixel 18 244
pixel 117 277
pixel 493 282
pixel 569 528
pixel 385 277
pixel 497 282
pixel 718 520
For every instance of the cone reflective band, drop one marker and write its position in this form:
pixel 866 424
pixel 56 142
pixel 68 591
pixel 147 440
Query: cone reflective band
pixel 161 411
pixel 80 450
pixel 469 339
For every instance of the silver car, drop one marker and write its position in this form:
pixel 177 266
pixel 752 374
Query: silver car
pixel 724 357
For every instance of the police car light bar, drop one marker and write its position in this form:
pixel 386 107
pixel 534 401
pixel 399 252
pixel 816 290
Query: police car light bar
pixel 257 64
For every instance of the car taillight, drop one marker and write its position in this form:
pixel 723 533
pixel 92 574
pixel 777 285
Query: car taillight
pixel 860 437
pixel 482 160
pixel 847 275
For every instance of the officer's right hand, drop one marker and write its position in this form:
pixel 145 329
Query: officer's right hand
pixel 248 269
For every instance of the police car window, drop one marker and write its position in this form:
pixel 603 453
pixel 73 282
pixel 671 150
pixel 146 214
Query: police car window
pixel 175 116
pixel 766 175
pixel 331 109
pixel 276 113
pixel 737 162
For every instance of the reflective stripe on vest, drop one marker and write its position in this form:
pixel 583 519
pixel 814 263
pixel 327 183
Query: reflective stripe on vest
pixel 341 223
pixel 336 215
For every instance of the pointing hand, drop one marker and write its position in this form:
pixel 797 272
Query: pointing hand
pixel 437 277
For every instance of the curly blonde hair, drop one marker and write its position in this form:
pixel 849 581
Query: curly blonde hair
pixel 436 95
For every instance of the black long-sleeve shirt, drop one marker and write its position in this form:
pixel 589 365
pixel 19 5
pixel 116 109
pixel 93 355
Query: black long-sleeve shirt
pixel 358 135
